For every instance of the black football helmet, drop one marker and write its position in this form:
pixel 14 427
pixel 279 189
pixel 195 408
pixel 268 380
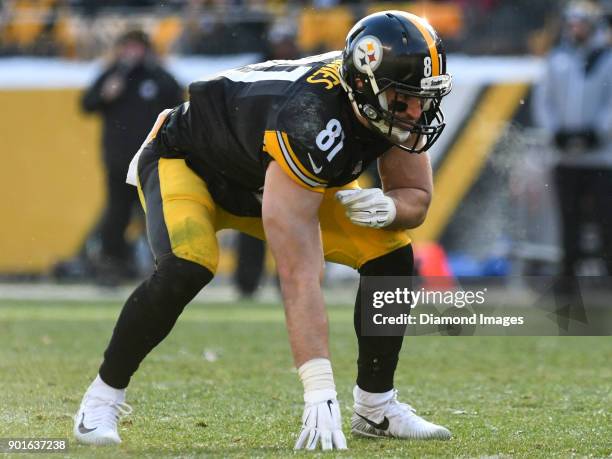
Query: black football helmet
pixel 396 53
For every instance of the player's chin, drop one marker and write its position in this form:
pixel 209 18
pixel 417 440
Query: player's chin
pixel 407 139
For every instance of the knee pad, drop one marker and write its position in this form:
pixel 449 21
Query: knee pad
pixel 183 278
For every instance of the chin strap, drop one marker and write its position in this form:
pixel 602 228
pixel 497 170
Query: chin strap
pixel 351 96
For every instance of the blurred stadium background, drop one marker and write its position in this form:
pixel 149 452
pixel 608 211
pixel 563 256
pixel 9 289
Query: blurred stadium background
pixel 493 214
pixel 493 211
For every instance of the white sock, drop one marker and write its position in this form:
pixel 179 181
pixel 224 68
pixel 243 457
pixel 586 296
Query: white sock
pixel 100 389
pixel 371 399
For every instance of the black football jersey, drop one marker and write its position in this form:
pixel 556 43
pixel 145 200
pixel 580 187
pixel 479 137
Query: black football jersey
pixel 295 112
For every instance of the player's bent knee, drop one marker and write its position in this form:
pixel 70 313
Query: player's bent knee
pixel 399 262
pixel 182 275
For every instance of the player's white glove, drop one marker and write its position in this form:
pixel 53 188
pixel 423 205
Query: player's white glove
pixel 368 207
pixel 321 422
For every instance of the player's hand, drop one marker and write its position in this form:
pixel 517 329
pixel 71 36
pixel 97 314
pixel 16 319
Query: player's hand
pixel 112 87
pixel 368 207
pixel 321 422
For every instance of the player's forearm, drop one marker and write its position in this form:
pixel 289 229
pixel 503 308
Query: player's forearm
pixel 303 300
pixel 411 206
pixel 306 319
pixel 299 260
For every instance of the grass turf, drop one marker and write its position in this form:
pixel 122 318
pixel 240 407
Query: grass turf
pixel 222 384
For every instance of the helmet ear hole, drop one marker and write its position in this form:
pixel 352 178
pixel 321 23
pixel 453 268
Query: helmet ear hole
pixel 359 84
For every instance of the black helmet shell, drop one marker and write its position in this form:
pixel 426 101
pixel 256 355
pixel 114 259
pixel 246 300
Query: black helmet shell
pixel 395 49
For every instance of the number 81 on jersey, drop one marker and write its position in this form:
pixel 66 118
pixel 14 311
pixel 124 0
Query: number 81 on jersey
pixel 332 137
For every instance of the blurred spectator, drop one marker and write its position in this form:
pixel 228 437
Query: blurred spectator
pixel 574 103
pixel 500 27
pixel 128 95
pixel 219 27
pixel 282 41
pixel 80 27
pixel 93 7
pixel 251 252
pixel 30 28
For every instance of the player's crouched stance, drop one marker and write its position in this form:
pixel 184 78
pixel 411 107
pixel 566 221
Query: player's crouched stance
pixel 302 131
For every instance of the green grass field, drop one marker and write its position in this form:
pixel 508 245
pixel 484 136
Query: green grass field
pixel 504 396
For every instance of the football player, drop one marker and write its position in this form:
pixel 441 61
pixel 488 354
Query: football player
pixel 274 150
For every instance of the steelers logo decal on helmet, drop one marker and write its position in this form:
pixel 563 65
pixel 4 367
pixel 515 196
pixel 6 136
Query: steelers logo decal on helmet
pixel 368 53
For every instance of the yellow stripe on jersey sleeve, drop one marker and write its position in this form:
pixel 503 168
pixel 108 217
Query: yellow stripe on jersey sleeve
pixel 306 172
pixel 275 147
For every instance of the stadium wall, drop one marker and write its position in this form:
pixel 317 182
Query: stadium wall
pixel 51 180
